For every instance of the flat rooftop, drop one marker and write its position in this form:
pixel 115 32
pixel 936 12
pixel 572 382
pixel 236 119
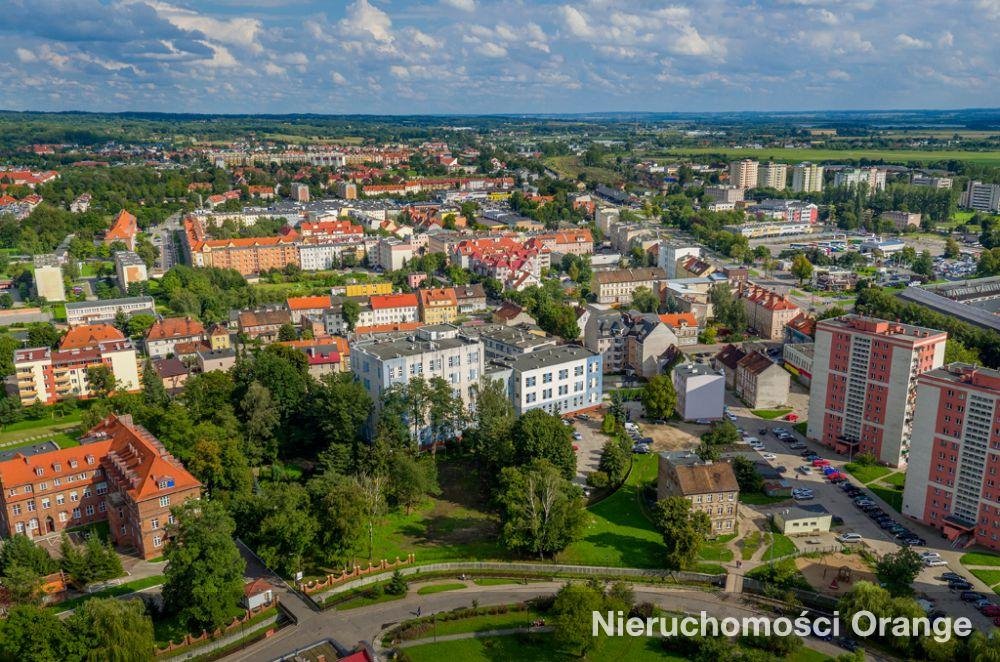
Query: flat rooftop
pixel 550 356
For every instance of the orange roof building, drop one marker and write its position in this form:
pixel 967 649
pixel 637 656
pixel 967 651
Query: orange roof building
pixel 89 335
pixel 163 337
pixel 124 228
pixel 120 474
pixel 438 305
pixel 300 307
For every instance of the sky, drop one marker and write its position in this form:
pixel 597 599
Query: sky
pixel 486 56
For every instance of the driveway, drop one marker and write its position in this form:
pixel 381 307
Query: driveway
pixel 588 457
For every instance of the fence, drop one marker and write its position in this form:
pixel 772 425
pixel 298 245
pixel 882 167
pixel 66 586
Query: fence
pixel 227 635
pixel 315 586
pixel 809 598
pixel 501 567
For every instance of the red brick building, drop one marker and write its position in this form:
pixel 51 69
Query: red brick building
pixel 120 474
pixel 952 481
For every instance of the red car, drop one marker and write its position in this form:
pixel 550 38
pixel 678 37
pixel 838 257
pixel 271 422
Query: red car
pixel 990 610
pixel 821 462
pixel 996 621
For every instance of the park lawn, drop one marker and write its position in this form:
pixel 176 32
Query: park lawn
pixel 113 592
pixel 48 421
pixel 770 414
pixel 483 623
pixel 801 427
pixel 708 568
pixel 980 558
pixel 716 550
pixel 495 581
pixel 171 629
pixel 897 479
pixel 749 545
pixel 890 495
pixel 760 499
pixel 989 577
pixel 540 648
pixel 866 473
pixel 569 167
pixel 366 599
pixel 618 533
pixel 781 545
pixel 790 155
pixel 440 588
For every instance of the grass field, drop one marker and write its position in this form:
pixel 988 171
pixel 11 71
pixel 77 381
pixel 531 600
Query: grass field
pixel 440 588
pixel 891 496
pixel 897 479
pixel 980 558
pixel 482 623
pixel 749 545
pixel 570 167
pixel 781 545
pixel 114 591
pixel 989 577
pixel 495 581
pixel 528 648
pixel 866 473
pixel 991 158
pixel 367 599
pixel 759 499
pixel 770 414
pixel 618 533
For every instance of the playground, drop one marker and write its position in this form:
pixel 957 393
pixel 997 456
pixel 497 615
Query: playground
pixel 834 574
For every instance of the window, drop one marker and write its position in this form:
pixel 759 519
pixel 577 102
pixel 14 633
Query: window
pixel 73 496
pixel 28 489
pixel 157 541
pixel 547 378
pixel 564 374
pixel 76 513
pixel 171 520
pixel 57 482
pixel 102 488
pixel 530 397
pixel 20 527
pixel 578 370
pixel 16 509
pixel 154 523
pixel 528 381
pixel 46 503
pixel 101 506
pixel 42 487
pixel 39 471
pixel 90 511
pixel 164 501
pixel 60 499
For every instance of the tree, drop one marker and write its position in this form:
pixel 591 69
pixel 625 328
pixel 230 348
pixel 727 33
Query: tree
pixel 100 380
pixel 956 352
pixel 35 633
pixel 721 433
pixel 19 550
pixel 278 521
pixel 95 561
pixel 113 630
pixel 261 418
pixel 340 515
pixel 573 614
pixel 951 248
pixel 924 265
pixel 447 410
pixel 397 584
pixel 539 435
pixel 203 581
pixel 350 310
pixel 410 480
pixel 802 268
pixel 897 570
pixel 615 459
pixel 644 300
pixel 659 398
pixel 22 584
pixel 489 440
pixel 708 336
pixel 371 490
pixel 750 481
pixel 42 334
pixel 683 531
pixel 707 453
pixel 287 332
pixel 541 512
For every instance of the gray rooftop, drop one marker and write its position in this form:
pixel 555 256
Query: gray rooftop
pixel 512 335
pixel 128 258
pixel 46 260
pixel 399 347
pixel 693 369
pixel 550 356
pixel 801 511
pixel 115 303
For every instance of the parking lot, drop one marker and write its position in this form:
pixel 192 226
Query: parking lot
pixel 928 584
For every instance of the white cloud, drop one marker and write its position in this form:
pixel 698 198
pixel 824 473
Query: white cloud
pixel 838 74
pixel 946 40
pixel 24 55
pixel 221 57
pixel 904 40
pixel 576 22
pixel 464 5
pixel 690 42
pixel 490 49
pixel 234 31
pixel 362 17
pixel 338 78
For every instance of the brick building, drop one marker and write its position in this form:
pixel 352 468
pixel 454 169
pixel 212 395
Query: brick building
pixel 120 474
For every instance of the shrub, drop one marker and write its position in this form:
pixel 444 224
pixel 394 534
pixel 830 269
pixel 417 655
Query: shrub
pixel 397 585
pixel 597 479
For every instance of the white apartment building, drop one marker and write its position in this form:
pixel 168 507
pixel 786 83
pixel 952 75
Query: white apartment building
pixel 434 351
pixel 392 254
pixel 807 178
pixel 130 268
pixel 873 178
pixel 743 174
pixel 701 392
pixel 321 257
pixel 48 375
pixel 670 254
pixel 88 312
pixel 726 194
pixel 560 380
pixel 981 197
pixel 772 175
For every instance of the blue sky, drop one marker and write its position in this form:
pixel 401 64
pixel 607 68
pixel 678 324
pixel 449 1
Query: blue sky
pixel 482 56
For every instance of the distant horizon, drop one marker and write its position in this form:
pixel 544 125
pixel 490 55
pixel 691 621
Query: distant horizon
pixel 487 57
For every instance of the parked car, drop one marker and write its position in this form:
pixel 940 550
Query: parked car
pixel 971 596
pixel 933 563
pixel 769 456
pixel 990 610
pixel 805 469
pixel 577 436
pixel 849 537
pixel 797 445
pixel 762 432
pixel 951 576
pixel 641 449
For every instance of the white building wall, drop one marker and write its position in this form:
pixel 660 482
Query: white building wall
pixel 921 455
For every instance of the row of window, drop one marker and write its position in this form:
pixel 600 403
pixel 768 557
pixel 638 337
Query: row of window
pixel 56 482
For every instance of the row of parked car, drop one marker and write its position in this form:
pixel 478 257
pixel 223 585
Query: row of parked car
pixel 985 605
pixel 640 444
pixel 868 506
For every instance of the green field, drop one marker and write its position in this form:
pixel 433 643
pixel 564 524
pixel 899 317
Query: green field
pixel 891 496
pixel 618 533
pixel 569 167
pixel 781 545
pixel 749 545
pixel 980 558
pixel 528 648
pixel 440 588
pixel 866 473
pixel 495 581
pixel 770 414
pixel 481 623
pixel 113 592
pixel 989 577
pixel 989 158
pixel 897 479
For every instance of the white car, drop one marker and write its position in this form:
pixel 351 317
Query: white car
pixel 849 537
pixel 925 555
pixel 805 469
pixel 577 436
pixel 932 562
pixel 751 440
pixel 769 456
pixel 731 416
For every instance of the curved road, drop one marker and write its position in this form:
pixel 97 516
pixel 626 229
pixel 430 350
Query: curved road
pixel 349 627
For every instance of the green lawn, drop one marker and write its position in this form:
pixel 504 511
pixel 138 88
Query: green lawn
pixel 37 426
pixel 495 581
pixel 115 591
pixel 540 647
pixel 760 499
pixel 989 577
pixel 781 545
pixel 749 545
pixel 891 496
pixel 717 550
pixel 367 599
pixel 897 479
pixel 618 532
pixel 866 473
pixel 800 427
pixel 440 588
pixel 770 414
pixel 481 623
pixel 790 155
pixel 980 558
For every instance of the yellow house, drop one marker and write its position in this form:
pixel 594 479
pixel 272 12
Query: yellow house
pixel 367 289
pixel 438 306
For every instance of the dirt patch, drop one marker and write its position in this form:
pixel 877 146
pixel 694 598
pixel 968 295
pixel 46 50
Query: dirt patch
pixel 674 436
pixel 822 571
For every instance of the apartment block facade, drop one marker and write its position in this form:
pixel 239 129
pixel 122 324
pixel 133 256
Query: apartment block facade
pixel 711 487
pixel 617 287
pixel 807 177
pixel 560 380
pixel 772 175
pixel 952 481
pixel 743 174
pixel 863 393
pixel 120 474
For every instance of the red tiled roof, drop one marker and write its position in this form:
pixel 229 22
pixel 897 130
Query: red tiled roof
pixel 438 297
pixel 89 335
pixel 384 301
pixel 308 303
pixel 175 327
pixel 679 319
pixel 124 228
